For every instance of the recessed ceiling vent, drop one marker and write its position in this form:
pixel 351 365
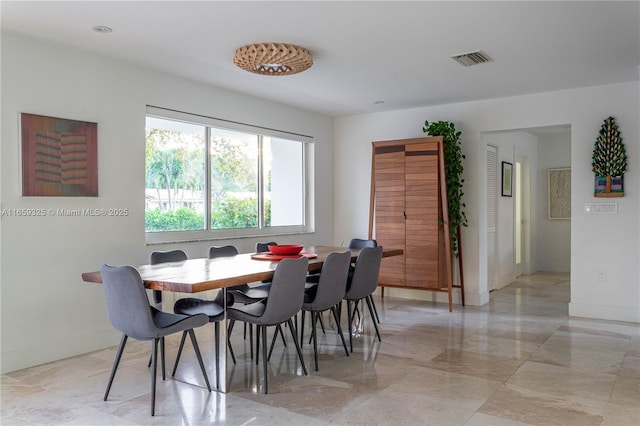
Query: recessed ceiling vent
pixel 471 58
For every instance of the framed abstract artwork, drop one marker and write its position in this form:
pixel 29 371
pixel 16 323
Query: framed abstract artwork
pixel 59 157
pixel 559 193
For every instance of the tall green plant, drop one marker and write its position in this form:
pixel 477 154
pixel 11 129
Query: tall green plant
pixel 453 175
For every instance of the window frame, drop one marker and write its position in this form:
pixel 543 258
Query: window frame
pixel 159 237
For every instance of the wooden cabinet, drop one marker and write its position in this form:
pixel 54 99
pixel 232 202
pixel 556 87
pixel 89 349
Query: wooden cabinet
pixel 409 211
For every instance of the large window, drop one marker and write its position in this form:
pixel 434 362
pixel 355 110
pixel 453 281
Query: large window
pixel 206 179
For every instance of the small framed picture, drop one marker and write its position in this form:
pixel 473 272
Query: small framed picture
pixel 507 179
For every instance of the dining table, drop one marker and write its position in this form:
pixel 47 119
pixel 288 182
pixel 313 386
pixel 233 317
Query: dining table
pixel 203 274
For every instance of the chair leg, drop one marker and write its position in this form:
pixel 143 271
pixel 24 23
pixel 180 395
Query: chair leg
pixel 116 362
pixel 175 366
pixel 162 351
pixel 284 341
pixel 273 341
pixel 373 319
pixel 375 310
pixel 275 335
pixel 349 321
pixel 154 368
pixel 162 358
pixel 335 316
pixel 251 342
pixel 314 316
pixel 216 339
pixel 321 323
pixel 357 310
pixel 314 323
pixel 257 343
pixel 279 329
pixel 304 368
pixel 233 355
pixel 302 315
pixel 199 356
pixel 229 330
pixel 263 329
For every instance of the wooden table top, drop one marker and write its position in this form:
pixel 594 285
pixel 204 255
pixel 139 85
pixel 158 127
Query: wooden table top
pixel 195 275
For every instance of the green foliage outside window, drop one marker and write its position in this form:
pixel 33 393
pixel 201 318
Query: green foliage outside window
pixel 175 171
pixel 181 219
pixel 229 213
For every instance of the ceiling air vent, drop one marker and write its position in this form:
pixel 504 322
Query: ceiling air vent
pixel 471 58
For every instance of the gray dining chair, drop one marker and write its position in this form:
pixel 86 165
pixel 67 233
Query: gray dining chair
pixel 164 257
pixel 285 300
pixel 359 243
pixel 213 309
pixel 326 296
pixel 254 293
pixel 243 293
pixel 363 282
pixel 130 313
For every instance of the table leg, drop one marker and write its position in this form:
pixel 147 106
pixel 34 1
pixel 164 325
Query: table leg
pixel 157 299
pixel 223 342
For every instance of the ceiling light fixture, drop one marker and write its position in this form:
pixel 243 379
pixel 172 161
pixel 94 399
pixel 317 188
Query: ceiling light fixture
pixel 273 58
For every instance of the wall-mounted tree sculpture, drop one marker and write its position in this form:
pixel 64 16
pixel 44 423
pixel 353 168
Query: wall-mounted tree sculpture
pixel 609 161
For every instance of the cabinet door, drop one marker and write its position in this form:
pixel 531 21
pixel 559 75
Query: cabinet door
pixel 422 203
pixel 389 163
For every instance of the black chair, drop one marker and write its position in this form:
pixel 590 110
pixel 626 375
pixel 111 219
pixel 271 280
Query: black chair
pixel 284 301
pixel 364 281
pixel 130 313
pixel 264 247
pixel 168 256
pixel 326 295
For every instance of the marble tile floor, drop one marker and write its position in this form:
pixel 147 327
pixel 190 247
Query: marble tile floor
pixel 519 360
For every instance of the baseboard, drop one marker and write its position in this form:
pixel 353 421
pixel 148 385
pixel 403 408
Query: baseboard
pixel 612 313
pixel 435 296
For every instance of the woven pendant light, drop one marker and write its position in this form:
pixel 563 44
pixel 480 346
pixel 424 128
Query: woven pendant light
pixel 273 58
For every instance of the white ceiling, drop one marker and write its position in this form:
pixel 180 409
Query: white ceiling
pixel 364 51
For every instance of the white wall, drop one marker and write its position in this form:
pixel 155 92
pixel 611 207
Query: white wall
pixel 47 312
pixel 597 241
pixel 554 236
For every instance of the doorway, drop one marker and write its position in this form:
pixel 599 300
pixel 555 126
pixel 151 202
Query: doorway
pixel 520 238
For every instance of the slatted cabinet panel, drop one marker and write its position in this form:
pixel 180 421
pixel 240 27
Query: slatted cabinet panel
pixel 390 209
pixel 421 225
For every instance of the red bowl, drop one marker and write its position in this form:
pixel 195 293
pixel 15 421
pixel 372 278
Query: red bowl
pixel 286 249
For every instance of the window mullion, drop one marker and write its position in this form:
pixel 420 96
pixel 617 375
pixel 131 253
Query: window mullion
pixel 260 184
pixel 207 177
